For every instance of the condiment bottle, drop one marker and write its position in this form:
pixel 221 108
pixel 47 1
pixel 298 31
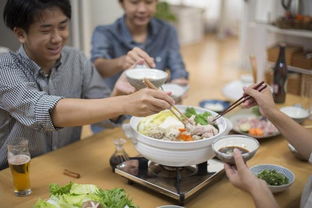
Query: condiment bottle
pixel 280 77
pixel 119 155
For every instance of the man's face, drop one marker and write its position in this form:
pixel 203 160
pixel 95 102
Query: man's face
pixel 139 12
pixel 46 36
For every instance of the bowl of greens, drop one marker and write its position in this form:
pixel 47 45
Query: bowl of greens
pixel 277 177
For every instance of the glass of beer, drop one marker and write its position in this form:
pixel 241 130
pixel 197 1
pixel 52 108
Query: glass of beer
pixel 19 159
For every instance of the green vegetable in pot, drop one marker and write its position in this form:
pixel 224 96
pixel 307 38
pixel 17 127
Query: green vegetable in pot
pixel 201 119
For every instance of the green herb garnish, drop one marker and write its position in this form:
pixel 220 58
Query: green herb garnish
pixel 272 177
pixel 201 119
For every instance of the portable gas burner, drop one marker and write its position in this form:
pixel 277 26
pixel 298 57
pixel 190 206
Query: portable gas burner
pixel 179 183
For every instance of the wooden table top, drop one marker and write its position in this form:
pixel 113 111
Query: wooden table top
pixel 90 157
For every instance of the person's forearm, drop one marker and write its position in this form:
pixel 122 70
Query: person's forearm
pixel 262 196
pixel 109 67
pixel 78 112
pixel 298 136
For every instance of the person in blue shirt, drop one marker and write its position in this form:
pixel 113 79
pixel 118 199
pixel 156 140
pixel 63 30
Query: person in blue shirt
pixel 135 37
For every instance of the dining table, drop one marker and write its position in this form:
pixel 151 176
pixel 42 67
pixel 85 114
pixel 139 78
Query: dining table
pixel 90 158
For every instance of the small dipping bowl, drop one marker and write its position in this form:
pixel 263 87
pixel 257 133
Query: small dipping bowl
pixel 136 76
pixel 241 142
pixel 286 172
pixel 299 114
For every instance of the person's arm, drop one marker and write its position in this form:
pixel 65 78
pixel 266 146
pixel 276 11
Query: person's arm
pixel 22 99
pixel 77 112
pixel 297 135
pixel 105 62
pixel 242 178
pixel 109 67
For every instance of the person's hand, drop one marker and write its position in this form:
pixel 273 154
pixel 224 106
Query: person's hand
pixel 240 176
pixel 122 86
pixel 263 99
pixel 137 55
pixel 180 81
pixel 147 101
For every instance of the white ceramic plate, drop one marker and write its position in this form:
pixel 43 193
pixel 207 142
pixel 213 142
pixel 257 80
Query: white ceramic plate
pixel 245 113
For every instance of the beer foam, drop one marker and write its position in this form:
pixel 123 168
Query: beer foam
pixel 19 159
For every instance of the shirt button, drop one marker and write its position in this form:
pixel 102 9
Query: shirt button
pixel 158 59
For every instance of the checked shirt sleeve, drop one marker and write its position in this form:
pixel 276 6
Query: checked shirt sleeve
pixel 20 97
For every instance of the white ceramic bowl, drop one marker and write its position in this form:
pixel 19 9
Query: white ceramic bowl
pixel 177 90
pixel 215 105
pixel 289 174
pixel 246 142
pixel 297 113
pixel 136 76
pixel 177 153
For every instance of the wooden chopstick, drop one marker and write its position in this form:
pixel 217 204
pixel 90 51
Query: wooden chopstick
pixel 184 119
pixel 253 62
pixel 241 100
pixel 71 173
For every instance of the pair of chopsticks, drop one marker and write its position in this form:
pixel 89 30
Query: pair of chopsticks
pixel 176 111
pixel 260 86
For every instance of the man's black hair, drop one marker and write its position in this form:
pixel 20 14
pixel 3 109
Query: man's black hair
pixel 22 13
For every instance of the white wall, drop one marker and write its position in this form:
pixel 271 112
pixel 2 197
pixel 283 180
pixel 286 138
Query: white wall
pixel 94 13
pixel 221 15
pixel 7 37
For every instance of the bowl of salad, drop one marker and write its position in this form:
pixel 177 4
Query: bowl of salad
pixel 84 195
pixel 277 177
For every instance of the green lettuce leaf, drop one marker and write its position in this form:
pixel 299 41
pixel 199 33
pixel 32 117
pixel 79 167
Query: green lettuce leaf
pixel 74 195
pixel 43 204
pixel 83 188
pixel 55 189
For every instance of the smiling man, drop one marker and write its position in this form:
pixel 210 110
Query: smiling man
pixel 47 89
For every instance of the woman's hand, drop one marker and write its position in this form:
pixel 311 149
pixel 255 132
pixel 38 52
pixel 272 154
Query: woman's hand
pixel 263 99
pixel 240 176
pixel 244 179
pixel 147 101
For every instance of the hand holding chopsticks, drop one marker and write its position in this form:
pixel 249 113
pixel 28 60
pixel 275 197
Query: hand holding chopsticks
pixel 176 111
pixel 260 86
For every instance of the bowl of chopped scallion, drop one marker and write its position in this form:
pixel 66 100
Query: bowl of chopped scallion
pixel 277 177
